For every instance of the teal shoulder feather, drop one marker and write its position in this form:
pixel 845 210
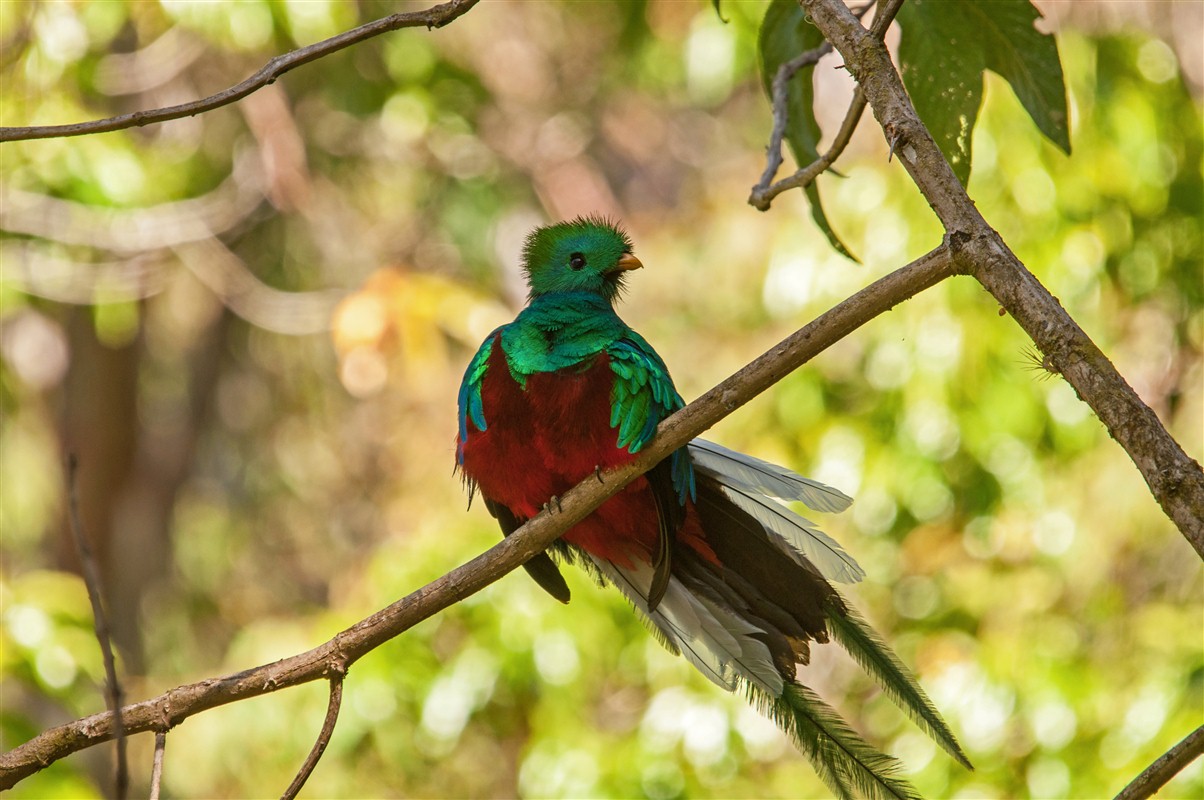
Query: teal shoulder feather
pixel 643 394
pixel 469 400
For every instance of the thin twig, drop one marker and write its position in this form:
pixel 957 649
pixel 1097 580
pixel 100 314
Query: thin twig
pixel 157 767
pixel 100 623
pixel 1167 766
pixel 533 537
pixel 765 191
pixel 332 716
pixel 434 17
pixel 781 110
pixel 762 196
pixel 885 15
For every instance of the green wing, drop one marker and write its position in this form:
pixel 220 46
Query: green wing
pixel 643 392
pixel 471 408
pixel 642 395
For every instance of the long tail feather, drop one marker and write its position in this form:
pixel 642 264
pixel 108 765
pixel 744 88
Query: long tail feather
pixel 745 606
pixel 842 759
pixel 797 536
pixel 752 484
pixel 740 517
pixel 861 642
pixel 716 640
pixel 761 477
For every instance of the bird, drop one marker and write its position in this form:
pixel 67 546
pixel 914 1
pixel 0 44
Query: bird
pixel 704 546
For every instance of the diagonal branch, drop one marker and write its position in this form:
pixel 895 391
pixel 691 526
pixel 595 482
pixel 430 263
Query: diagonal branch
pixel 1175 480
pixel 1167 766
pixel 434 17
pixel 534 537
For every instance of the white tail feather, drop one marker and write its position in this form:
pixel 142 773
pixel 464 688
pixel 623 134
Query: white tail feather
pixel 712 638
pixel 762 477
pixel 795 535
pixel 752 485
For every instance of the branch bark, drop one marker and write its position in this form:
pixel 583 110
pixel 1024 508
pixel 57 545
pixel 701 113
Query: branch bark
pixel 1167 766
pixel 434 17
pixel 315 754
pixel 157 764
pixel 1175 479
pixel 765 191
pixel 339 653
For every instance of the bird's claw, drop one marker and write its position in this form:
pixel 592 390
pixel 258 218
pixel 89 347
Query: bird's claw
pixel 554 500
pixel 598 473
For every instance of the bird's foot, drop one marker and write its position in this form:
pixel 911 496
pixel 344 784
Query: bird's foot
pixel 555 500
pixel 598 473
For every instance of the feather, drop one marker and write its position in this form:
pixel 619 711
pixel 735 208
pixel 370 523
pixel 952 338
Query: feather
pixel 796 536
pixel 861 642
pixel 842 759
pixel 668 520
pixel 719 644
pixel 754 475
pixel 540 566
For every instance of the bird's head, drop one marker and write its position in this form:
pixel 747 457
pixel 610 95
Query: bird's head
pixel 587 254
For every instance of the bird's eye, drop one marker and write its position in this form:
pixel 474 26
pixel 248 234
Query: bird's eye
pixel 577 261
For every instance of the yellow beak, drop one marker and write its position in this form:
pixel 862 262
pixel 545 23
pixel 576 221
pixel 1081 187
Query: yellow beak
pixel 627 261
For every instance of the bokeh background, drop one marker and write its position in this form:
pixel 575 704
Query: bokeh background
pixel 249 326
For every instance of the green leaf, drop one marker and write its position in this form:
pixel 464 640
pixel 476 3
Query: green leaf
pixel 1028 60
pixel 718 12
pixel 946 46
pixel 785 33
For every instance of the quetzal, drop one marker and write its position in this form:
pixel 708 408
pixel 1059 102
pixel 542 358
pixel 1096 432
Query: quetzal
pixel 720 570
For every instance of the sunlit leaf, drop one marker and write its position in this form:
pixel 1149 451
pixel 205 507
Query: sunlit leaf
pixel 946 46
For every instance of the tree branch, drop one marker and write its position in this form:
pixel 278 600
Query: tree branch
pixel 1175 480
pixel 434 17
pixel 1167 766
pixel 763 193
pixel 340 652
pixel 781 113
pixel 332 716
pixel 157 766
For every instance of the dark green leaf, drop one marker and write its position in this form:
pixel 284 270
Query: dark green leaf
pixel 945 47
pixel 785 34
pixel 1028 60
pixel 718 12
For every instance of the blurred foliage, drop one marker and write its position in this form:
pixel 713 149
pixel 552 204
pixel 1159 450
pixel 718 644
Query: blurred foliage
pixel 1015 557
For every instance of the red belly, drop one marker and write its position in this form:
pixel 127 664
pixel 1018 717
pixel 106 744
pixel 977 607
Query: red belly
pixel 544 440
